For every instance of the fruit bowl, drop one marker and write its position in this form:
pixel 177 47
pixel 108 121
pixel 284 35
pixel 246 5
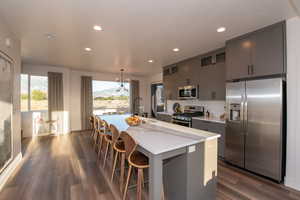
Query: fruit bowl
pixel 133 121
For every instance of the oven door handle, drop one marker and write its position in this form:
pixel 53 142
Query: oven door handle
pixel 184 122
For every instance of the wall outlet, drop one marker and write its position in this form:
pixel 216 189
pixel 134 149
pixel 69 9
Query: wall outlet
pixel 192 149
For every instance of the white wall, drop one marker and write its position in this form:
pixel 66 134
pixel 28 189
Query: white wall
pixel 13 52
pixel 293 103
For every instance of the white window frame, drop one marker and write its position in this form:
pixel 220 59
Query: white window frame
pixel 29 92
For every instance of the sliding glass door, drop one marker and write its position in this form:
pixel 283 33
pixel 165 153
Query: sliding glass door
pixel 6 94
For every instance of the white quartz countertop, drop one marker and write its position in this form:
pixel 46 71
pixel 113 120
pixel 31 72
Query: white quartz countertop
pixel 158 137
pixel 210 119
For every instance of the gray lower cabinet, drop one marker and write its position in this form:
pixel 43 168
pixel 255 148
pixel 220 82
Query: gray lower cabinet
pixel 257 54
pixel 215 128
pixel 164 117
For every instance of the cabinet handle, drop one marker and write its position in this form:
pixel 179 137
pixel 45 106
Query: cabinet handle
pixel 248 69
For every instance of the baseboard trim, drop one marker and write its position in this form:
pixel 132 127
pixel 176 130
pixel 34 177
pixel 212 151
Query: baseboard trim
pixel 79 131
pixel 292 183
pixel 4 176
pixel 47 134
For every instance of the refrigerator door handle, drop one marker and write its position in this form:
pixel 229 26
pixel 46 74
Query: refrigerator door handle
pixel 242 111
pixel 246 115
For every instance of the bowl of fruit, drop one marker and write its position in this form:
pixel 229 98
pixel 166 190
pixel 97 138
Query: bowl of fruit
pixel 133 121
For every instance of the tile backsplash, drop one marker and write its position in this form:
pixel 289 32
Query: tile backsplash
pixel 216 108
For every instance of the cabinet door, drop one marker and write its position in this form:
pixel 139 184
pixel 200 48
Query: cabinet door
pixel 214 128
pixel 268 51
pixel 220 129
pixel 193 70
pixel 212 82
pixel 170 84
pixel 238 58
pixel 201 125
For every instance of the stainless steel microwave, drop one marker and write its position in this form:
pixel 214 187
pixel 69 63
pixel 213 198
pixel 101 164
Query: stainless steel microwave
pixel 188 92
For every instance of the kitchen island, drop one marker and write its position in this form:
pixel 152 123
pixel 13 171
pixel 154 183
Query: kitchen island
pixel 182 160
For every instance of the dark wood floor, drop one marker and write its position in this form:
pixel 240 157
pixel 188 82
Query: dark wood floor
pixel 64 167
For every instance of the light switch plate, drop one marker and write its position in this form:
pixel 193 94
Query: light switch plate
pixel 192 149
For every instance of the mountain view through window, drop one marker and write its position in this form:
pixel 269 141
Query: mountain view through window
pixel 108 100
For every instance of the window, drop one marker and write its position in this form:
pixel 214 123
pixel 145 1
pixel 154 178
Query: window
pixel 37 88
pixel 38 93
pixel 107 99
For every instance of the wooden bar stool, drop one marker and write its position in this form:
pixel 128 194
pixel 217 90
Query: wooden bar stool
pixel 94 127
pixel 92 119
pixel 105 128
pixel 135 159
pixel 109 139
pixel 99 133
pixel 119 148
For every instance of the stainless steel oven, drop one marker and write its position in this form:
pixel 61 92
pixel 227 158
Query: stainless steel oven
pixel 188 92
pixel 185 118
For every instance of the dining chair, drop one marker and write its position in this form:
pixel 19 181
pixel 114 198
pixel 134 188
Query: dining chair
pixel 135 160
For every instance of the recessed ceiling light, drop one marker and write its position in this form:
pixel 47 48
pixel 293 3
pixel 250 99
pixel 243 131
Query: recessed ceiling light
pixel 88 49
pixel 150 61
pixel 98 28
pixel 221 29
pixel 175 49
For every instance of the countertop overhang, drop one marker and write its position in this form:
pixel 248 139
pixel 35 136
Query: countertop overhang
pixel 159 137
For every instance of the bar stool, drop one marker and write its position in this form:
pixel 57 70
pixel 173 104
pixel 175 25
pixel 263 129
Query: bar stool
pixel 135 159
pixel 99 132
pixel 95 132
pixel 106 131
pixel 91 120
pixel 94 126
pixel 109 139
pixel 119 148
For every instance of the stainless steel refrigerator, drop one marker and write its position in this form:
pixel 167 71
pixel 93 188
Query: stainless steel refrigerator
pixel 255 128
pixel 157 98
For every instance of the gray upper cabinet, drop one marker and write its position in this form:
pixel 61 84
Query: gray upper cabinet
pixel 212 86
pixel 170 86
pixel 208 76
pixel 261 53
pixel 268 51
pixel 238 58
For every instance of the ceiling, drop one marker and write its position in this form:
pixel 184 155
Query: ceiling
pixel 134 30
